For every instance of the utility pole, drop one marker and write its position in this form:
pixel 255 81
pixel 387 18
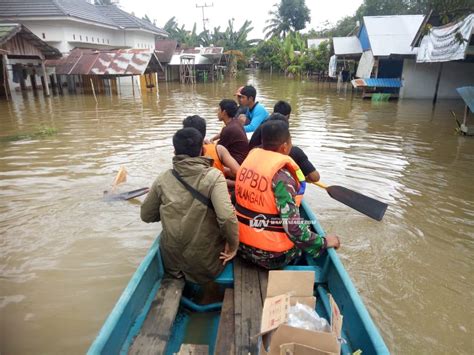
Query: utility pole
pixel 204 19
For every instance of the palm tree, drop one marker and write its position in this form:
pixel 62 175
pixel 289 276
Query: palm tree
pixel 277 25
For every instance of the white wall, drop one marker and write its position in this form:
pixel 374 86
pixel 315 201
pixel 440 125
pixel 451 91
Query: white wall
pixel 419 79
pixel 67 34
pixel 139 39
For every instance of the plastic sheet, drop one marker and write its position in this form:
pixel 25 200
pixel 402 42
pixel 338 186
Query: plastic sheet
pixel 303 316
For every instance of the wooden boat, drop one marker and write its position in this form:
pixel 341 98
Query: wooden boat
pixel 156 313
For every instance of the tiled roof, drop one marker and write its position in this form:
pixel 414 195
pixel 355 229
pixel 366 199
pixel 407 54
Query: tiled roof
pixel 104 14
pixel 126 20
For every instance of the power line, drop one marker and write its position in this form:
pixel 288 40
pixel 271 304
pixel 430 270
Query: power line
pixel 204 19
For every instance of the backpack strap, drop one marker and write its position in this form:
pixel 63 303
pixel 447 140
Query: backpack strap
pixel 196 194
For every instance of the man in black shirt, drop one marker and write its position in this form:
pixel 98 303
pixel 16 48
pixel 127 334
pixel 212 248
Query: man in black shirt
pixel 281 111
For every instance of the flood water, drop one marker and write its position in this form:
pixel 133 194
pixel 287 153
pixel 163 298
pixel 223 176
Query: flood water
pixel 66 255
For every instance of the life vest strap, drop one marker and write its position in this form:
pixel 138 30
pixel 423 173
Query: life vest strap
pixel 252 214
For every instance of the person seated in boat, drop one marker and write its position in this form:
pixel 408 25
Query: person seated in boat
pixel 256 113
pixel 282 111
pixel 200 232
pixel 222 159
pixel 268 190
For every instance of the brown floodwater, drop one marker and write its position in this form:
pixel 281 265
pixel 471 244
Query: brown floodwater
pixel 66 255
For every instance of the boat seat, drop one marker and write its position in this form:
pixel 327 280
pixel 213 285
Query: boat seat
pixel 156 330
pixel 226 277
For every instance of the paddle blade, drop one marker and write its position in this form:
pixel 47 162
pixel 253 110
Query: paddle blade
pixel 125 195
pixel 364 204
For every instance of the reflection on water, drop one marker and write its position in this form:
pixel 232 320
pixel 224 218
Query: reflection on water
pixel 66 255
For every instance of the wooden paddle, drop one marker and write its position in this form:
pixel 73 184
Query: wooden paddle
pixel 364 204
pixel 125 195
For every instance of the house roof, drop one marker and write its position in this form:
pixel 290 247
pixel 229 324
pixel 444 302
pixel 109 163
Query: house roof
pixel 392 34
pixel 165 49
pixel 126 20
pixel 9 30
pixel 201 55
pixel 112 62
pixel 347 45
pixel 109 15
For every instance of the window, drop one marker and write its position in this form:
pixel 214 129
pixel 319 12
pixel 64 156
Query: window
pixel 103 41
pixel 80 37
pixel 74 37
pixel 98 40
pixel 44 36
pixel 107 41
pixel 92 39
pixel 87 39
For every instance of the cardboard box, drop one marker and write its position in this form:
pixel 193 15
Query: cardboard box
pixel 285 288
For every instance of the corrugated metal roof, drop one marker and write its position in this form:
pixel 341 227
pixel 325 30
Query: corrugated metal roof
pixel 392 34
pixel 377 82
pixel 104 14
pixel 165 49
pixel 347 45
pixel 114 62
pixel 202 55
pixel 9 30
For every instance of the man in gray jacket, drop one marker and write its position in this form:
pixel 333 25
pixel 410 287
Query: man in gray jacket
pixel 200 231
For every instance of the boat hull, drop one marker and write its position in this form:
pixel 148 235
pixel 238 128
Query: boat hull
pixel 128 315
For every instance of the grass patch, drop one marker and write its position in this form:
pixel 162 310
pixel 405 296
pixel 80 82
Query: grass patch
pixel 42 132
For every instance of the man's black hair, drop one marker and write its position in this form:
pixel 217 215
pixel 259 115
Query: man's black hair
pixel 274 134
pixel 282 107
pixel 229 106
pixel 249 91
pixel 277 117
pixel 188 141
pixel 196 122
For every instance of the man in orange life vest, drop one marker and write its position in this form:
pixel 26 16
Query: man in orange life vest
pixel 269 186
pixel 223 160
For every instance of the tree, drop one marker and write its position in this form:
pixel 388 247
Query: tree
pixel 289 15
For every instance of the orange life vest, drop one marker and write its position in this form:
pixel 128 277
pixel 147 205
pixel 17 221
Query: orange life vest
pixel 210 151
pixel 260 225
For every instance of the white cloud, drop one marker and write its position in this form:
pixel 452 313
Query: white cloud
pixel 222 11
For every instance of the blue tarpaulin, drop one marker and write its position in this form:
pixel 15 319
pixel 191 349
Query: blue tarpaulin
pixel 467 94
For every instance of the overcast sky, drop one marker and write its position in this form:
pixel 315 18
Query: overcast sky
pixel 186 12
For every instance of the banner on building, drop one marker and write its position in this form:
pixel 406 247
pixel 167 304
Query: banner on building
pixel 446 43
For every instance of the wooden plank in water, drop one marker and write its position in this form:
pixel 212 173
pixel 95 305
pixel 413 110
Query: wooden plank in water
pixel 156 329
pixel 248 305
pixel 225 332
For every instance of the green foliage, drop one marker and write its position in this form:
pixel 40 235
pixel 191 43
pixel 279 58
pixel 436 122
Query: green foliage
pixel 288 16
pixel 41 132
pixel 317 59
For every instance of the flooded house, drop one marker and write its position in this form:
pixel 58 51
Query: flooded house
pixel 444 60
pixel 386 43
pixel 22 60
pixel 70 24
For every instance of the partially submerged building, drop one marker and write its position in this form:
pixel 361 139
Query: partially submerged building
pixel 67 24
pixel 94 71
pixel 386 43
pixel 444 60
pixel 191 64
pixel 22 60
